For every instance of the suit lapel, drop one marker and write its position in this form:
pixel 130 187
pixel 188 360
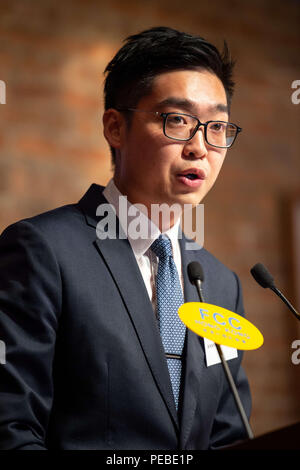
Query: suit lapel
pixel 123 267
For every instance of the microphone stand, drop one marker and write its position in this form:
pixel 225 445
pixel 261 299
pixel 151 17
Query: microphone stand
pixel 285 300
pixel 229 377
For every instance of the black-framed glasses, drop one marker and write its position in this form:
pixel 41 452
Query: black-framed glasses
pixel 183 127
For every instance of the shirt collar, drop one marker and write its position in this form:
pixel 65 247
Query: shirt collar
pixel 141 244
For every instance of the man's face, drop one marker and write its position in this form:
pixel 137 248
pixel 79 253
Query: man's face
pixel 151 167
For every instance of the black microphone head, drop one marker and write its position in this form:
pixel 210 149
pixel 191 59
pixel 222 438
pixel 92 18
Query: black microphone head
pixel 262 276
pixel 195 272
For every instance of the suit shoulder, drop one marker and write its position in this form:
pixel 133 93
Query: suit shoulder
pixel 63 217
pixel 55 227
pixel 55 218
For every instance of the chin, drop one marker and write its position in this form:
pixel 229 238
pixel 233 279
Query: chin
pixel 191 198
pixel 184 199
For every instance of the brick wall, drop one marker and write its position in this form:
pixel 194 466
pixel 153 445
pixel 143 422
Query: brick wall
pixel 52 57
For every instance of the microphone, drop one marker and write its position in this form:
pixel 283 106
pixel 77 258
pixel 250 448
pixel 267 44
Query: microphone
pixel 266 280
pixel 196 277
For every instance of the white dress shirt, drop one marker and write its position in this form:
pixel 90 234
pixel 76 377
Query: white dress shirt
pixel 146 259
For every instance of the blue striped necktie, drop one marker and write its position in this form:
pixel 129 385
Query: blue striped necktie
pixel 168 299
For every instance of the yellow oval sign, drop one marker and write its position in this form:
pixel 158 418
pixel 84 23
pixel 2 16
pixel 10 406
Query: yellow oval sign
pixel 220 325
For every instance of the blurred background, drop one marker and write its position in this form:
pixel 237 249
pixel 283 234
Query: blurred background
pixel 52 57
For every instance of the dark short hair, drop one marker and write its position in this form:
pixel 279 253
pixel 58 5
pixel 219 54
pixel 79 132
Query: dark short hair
pixel 160 49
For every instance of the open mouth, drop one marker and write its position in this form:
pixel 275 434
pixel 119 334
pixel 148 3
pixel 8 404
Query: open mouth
pixel 192 177
pixel 193 174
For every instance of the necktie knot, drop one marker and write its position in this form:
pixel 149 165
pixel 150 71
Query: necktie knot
pixel 162 247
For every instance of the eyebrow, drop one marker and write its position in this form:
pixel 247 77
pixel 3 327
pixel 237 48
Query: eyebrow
pixel 189 106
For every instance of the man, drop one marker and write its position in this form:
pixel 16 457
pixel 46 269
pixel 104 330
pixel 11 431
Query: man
pixel 87 365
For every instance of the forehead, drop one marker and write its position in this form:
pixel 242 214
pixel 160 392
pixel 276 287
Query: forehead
pixel 190 90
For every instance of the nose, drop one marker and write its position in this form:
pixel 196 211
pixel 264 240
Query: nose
pixel 196 147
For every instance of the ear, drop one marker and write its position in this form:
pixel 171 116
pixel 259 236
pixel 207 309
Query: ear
pixel 113 127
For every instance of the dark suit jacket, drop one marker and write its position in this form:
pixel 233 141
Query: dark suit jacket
pixel 85 367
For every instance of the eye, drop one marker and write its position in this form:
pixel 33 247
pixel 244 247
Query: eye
pixel 217 126
pixel 177 120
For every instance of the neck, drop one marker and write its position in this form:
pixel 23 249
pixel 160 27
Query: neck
pixel 162 214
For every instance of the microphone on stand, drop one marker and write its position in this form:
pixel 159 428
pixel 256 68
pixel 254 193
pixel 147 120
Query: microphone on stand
pixel 196 277
pixel 266 280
